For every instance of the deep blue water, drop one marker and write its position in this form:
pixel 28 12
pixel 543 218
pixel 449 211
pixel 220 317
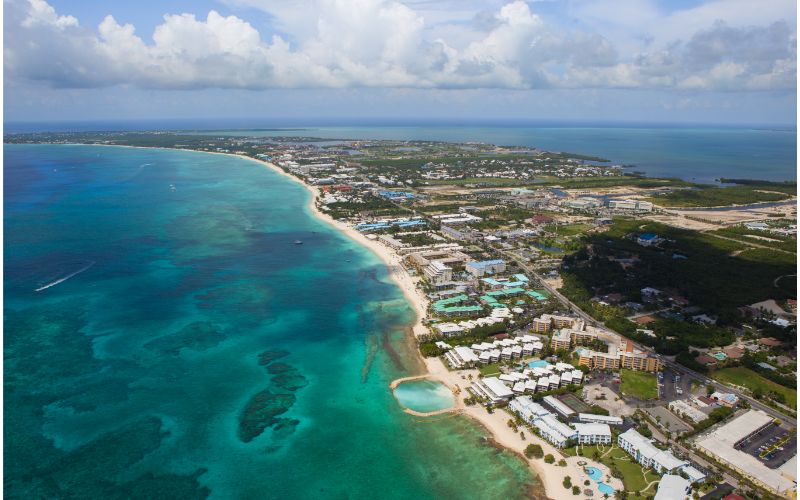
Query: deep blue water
pixel 182 346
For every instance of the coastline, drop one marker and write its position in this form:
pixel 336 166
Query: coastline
pixel 548 476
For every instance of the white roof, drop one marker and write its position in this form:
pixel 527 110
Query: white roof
pixel 559 426
pixel 663 457
pixel 592 429
pixel 465 353
pixel 742 426
pixel 497 387
pixel 519 387
pixel 693 473
pixel 672 487
pixel 589 417
pixel 558 405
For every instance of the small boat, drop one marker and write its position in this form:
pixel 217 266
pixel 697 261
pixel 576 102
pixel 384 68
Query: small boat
pixel 298 242
pixel 172 188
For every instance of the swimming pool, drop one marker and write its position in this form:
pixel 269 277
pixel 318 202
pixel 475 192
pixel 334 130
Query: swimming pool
pixel 596 475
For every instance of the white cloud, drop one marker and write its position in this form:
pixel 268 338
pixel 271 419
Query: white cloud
pixel 386 43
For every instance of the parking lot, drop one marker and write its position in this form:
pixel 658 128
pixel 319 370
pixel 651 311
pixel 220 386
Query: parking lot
pixel 669 389
pixel 773 446
pixel 668 419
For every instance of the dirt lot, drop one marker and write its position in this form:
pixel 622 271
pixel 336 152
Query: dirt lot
pixel 612 402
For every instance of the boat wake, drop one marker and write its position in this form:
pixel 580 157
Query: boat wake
pixel 65 278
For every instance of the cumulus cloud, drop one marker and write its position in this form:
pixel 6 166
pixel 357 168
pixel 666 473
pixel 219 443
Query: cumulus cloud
pixel 384 43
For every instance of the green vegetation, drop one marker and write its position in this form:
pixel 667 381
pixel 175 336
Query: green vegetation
pixel 567 229
pixel 757 384
pixel 732 273
pixel 549 459
pixel 640 385
pixel 724 196
pixel 490 369
pixel 534 451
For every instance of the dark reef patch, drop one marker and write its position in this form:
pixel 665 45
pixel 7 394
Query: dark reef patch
pixel 268 357
pixel 260 413
pixel 199 336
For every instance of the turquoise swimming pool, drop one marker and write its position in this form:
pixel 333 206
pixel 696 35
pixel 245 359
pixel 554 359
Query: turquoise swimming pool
pixel 596 475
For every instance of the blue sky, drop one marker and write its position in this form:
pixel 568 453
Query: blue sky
pixel 686 61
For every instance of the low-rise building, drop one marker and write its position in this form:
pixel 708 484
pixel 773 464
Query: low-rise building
pixel 482 268
pixel 599 419
pixel 593 433
pixel 644 452
pixel 672 487
pixel 493 389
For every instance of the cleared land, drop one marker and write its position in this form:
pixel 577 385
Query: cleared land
pixel 640 385
pixel 748 378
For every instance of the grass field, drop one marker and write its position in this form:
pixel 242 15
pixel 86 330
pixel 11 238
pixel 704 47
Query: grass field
pixel 638 482
pixel 640 385
pixel 718 196
pixel 748 378
pixel 490 369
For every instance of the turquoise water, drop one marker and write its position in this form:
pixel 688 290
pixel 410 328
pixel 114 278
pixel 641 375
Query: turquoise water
pixel 701 154
pixel 181 346
pixel 594 473
pixel 596 476
pixel 424 395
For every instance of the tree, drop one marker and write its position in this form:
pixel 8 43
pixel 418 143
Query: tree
pixel 562 463
pixel 710 389
pixel 534 451
pixel 576 490
pixel 567 482
pixel 549 459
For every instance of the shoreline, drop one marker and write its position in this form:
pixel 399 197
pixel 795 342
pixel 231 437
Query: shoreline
pixel 547 476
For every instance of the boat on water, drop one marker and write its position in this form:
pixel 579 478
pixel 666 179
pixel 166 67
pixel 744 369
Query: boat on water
pixel 172 188
pixel 298 242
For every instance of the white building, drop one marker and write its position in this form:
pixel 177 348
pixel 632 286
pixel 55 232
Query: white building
pixel 673 487
pixel 643 451
pixel 461 356
pixel 554 431
pixel 558 406
pixel 683 409
pixel 438 273
pixel 449 329
pixel 593 433
pixel 599 419
pixel 482 268
pixel 493 389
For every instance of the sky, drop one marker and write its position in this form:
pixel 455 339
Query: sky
pixel 294 61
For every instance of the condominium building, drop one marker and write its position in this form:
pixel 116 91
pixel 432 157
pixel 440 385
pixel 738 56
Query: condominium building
pixel 640 361
pixel 560 340
pixel 482 268
pixel 643 451
pixel 593 433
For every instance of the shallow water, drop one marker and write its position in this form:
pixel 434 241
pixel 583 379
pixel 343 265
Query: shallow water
pixel 203 354
pixel 424 395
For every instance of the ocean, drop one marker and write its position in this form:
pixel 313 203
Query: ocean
pixel 166 338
